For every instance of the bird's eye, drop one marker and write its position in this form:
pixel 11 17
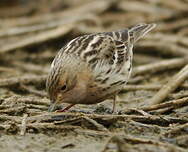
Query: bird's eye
pixel 63 88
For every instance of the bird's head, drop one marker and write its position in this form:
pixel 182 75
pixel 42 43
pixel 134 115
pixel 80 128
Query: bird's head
pixel 67 82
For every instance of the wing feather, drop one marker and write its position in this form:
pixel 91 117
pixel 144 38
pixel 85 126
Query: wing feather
pixel 105 55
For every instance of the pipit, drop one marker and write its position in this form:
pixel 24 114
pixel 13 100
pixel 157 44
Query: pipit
pixel 92 68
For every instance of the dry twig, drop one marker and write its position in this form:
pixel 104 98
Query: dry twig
pixel 160 66
pixel 13 110
pixel 95 123
pixel 150 119
pixel 94 7
pixel 8 82
pixel 33 91
pixel 161 48
pixel 37 39
pixel 172 104
pixel 131 87
pixel 23 125
pixel 44 27
pixel 173 84
pixel 27 100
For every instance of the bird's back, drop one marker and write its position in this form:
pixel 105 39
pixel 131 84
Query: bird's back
pixel 108 55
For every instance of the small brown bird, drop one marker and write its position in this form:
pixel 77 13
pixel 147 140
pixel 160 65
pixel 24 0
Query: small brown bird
pixel 92 68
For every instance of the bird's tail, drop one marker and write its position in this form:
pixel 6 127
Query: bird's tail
pixel 132 34
pixel 138 31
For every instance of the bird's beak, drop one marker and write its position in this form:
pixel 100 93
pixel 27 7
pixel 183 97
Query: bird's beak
pixel 52 107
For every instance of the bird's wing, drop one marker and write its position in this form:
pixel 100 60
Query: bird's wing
pixel 107 57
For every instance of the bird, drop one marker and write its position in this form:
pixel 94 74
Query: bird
pixel 92 68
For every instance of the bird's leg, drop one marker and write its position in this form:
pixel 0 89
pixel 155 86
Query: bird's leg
pixel 114 103
pixel 66 108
